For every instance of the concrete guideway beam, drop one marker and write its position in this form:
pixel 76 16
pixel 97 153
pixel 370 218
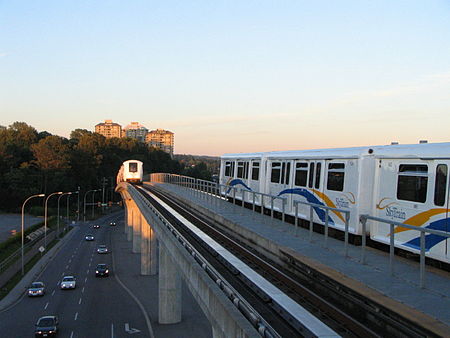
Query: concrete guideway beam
pixel 225 319
pixel 136 225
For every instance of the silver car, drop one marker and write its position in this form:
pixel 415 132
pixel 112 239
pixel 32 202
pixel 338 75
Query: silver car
pixel 68 282
pixel 102 249
pixel 36 289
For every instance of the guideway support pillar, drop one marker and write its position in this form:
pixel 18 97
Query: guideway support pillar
pixel 148 249
pixel 169 289
pixel 136 231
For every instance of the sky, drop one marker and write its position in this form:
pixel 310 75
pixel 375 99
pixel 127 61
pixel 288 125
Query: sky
pixel 231 76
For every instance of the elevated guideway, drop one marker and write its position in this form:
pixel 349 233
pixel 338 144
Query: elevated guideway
pixel 386 300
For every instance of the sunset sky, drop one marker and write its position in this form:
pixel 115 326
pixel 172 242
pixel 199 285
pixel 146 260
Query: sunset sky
pixel 231 76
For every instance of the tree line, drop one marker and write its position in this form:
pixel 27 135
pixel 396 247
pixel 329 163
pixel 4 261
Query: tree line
pixel 33 162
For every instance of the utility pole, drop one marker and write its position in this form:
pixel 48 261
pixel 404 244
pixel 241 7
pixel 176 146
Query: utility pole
pixel 104 183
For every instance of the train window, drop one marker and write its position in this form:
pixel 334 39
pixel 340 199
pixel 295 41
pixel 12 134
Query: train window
pixel 242 170
pixel 412 182
pixel 311 174
pixel 301 174
pixel 317 183
pixel 229 169
pixel 132 167
pixel 255 171
pixel 276 172
pixel 336 176
pixel 440 184
pixel 285 173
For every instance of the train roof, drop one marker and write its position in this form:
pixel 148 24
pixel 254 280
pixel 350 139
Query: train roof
pixel 422 150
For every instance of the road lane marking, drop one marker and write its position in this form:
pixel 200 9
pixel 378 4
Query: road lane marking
pixel 87 272
pixel 82 291
pixel 79 302
pixel 85 280
pixel 57 283
pixel 45 307
pixel 71 334
pixel 112 330
pixel 89 264
pixel 53 292
pixel 76 316
pixel 70 261
pixel 62 275
pixel 132 330
pixel 67 266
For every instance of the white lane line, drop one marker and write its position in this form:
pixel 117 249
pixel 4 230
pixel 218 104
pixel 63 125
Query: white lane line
pixel 76 316
pixel 87 272
pixel 53 292
pixel 82 290
pixel 57 283
pixel 112 330
pixel 79 302
pixel 67 266
pixel 85 280
pixel 70 261
pixel 45 307
pixel 62 274
pixel 71 334
pixel 89 264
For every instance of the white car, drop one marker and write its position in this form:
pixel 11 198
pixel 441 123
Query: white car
pixel 68 282
pixel 36 289
pixel 102 249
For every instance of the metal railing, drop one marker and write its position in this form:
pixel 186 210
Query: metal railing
pixel 326 223
pixel 363 219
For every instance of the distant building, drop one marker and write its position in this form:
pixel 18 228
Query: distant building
pixel 109 129
pixel 161 139
pixel 136 130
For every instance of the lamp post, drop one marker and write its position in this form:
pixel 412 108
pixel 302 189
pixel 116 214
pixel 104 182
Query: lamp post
pixel 23 208
pixel 84 204
pixel 93 202
pixel 68 198
pixel 45 216
pixel 57 223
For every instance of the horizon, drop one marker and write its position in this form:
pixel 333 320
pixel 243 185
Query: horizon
pixel 230 77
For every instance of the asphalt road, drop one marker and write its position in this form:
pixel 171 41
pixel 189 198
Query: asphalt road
pixel 101 306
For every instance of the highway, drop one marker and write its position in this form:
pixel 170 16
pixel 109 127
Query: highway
pixel 99 306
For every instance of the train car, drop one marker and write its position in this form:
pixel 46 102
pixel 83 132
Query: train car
pixel 404 183
pixel 131 171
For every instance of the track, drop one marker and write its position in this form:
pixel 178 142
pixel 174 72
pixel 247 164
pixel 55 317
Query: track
pixel 280 319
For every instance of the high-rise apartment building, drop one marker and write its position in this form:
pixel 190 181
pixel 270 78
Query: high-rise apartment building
pixel 161 139
pixel 136 130
pixel 109 129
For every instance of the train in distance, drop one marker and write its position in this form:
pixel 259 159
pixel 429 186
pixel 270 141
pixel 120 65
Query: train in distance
pixel 131 171
pixel 407 184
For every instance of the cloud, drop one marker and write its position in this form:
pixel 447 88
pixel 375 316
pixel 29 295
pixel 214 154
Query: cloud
pixel 3 54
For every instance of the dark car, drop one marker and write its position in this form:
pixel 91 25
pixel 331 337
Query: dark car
pixel 112 224
pixel 101 270
pixel 36 289
pixel 46 326
pixel 89 237
pixel 96 226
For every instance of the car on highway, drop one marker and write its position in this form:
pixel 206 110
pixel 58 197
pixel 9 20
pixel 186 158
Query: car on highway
pixel 36 289
pixel 46 326
pixel 96 226
pixel 101 270
pixel 68 282
pixel 102 249
pixel 89 237
pixel 112 224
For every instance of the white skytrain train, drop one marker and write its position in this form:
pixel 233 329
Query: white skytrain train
pixel 131 171
pixel 403 183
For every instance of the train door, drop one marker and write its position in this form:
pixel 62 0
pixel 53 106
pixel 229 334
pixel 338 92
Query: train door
pixel 307 186
pixel 242 178
pixel 340 191
pixel 441 200
pixel 278 181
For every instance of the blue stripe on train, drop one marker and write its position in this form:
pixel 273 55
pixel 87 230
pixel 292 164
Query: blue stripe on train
pixel 430 239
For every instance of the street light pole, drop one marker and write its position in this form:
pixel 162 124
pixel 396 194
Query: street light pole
pixel 93 201
pixel 84 204
pixel 57 223
pixel 78 205
pixel 45 216
pixel 23 208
